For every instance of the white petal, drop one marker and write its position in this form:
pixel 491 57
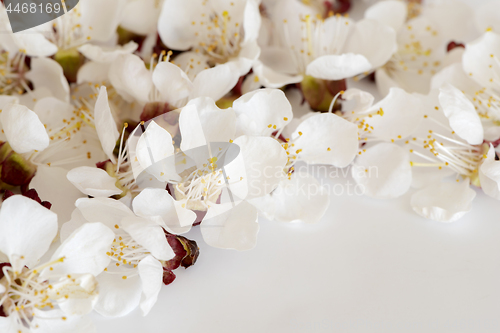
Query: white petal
pixel 83 285
pixel 141 16
pixel 117 296
pixel 23 129
pixel 110 212
pixel 462 114
pixel 477 59
pixel 52 322
pixel 443 202
pixel 278 59
pixel 175 23
pixel 384 82
pixel 105 124
pixel 125 67
pixel 100 54
pixel 172 83
pixel 84 251
pixel 101 18
pixel 266 76
pixel 158 202
pixel 93 181
pixel 383 171
pixel 26 230
pixel 10 325
pixel 338 67
pixel 362 99
pixel 93 71
pixel 452 19
pixel 373 40
pixel 326 139
pixel 402 114
pixel 196 62
pixel 391 12
pixel 62 196
pixel 155 152
pixel 214 82
pixel 201 122
pixel 455 75
pixel 149 235
pixel 46 72
pixel 257 110
pixel 257 169
pixel 77 220
pixel 487 16
pixel 251 21
pixel 151 274
pixel 226 227
pixel 300 199
pixel 489 175
pixel 36 45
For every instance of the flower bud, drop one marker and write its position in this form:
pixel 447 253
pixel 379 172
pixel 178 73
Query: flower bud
pixel 186 253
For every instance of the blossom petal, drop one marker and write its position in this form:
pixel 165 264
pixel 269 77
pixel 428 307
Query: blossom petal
pixel 214 82
pixel 23 129
pixel 390 12
pixel 402 114
pixel 462 114
pixel 101 54
pixel 110 212
pixel 52 185
pixel 373 40
pixel 452 19
pixel 84 251
pixel 257 169
pixel 93 181
pixel 262 112
pixel 102 18
pixel 479 56
pixel 251 21
pixel 202 122
pixel 487 16
pixel 326 139
pixel 46 72
pixel 268 77
pixel 158 202
pixel 443 202
pixel 122 69
pixel 338 67
pixel 51 322
pixel 151 274
pixel 155 152
pixel 172 83
pixel 105 124
pixel 489 175
pixel 93 71
pixel 383 171
pixel 26 230
pixel 141 16
pixel 175 23
pixel 149 235
pixel 117 296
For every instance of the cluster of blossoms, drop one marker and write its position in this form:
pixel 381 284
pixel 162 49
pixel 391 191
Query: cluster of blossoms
pixel 138 120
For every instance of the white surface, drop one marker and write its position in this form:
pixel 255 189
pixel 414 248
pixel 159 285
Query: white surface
pixel 368 266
